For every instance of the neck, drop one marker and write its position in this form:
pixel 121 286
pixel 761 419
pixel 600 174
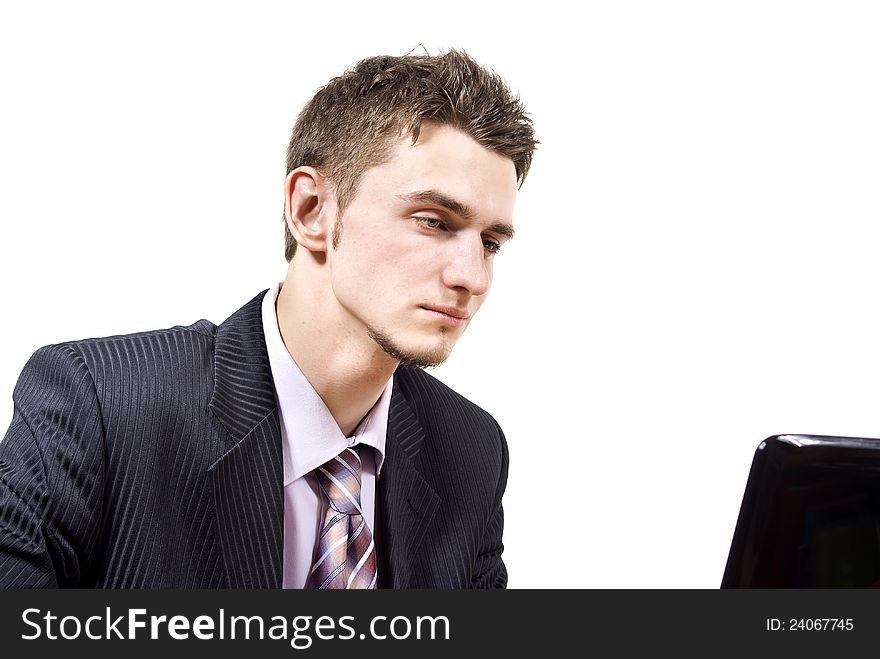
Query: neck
pixel 341 362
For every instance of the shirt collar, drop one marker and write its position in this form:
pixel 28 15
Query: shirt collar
pixel 310 435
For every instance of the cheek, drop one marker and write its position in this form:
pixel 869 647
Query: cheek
pixel 378 262
pixel 364 278
pixel 396 258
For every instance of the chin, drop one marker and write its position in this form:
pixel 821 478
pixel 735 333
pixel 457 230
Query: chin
pixel 421 354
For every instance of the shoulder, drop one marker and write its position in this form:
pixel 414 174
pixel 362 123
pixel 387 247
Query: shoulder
pixel 462 442
pixel 200 330
pixel 168 344
pixel 86 368
pixel 437 405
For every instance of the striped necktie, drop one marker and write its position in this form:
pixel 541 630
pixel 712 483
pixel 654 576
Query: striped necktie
pixel 345 556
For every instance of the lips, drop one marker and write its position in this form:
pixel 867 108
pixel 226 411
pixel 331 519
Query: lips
pixel 455 312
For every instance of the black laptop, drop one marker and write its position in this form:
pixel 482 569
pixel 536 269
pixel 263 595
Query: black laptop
pixel 810 516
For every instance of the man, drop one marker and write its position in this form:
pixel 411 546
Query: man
pixel 299 443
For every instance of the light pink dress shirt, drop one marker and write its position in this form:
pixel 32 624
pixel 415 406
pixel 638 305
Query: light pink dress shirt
pixel 310 437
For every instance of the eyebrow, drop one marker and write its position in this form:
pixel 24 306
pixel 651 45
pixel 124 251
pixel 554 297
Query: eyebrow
pixel 437 198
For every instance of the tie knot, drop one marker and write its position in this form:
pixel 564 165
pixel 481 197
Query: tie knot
pixel 340 478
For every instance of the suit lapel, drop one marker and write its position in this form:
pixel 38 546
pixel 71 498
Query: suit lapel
pixel 247 479
pixel 408 502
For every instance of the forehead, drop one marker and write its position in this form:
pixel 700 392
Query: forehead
pixel 447 160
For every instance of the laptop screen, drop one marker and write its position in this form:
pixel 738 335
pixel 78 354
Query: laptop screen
pixel 810 516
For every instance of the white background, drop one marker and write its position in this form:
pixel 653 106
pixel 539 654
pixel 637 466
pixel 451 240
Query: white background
pixel 695 263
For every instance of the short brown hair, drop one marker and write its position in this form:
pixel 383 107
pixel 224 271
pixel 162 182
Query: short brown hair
pixel 349 124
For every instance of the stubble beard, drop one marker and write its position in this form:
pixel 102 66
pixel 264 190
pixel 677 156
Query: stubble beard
pixel 426 359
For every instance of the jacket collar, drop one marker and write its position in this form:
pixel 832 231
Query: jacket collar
pixel 243 388
pixel 247 490
pixel 407 501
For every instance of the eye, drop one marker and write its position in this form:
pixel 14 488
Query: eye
pixel 492 246
pixel 429 222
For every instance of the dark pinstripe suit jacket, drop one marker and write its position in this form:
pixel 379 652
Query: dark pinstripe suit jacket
pixel 153 460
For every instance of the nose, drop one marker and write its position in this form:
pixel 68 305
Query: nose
pixel 467 266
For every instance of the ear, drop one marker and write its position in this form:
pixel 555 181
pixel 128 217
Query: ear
pixel 306 208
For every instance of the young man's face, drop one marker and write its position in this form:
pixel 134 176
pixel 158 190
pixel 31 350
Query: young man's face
pixel 413 262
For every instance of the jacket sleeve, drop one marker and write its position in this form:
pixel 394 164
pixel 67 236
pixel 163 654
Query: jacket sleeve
pixel 490 571
pixel 51 474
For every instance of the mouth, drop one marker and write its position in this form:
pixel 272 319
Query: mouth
pixel 451 316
